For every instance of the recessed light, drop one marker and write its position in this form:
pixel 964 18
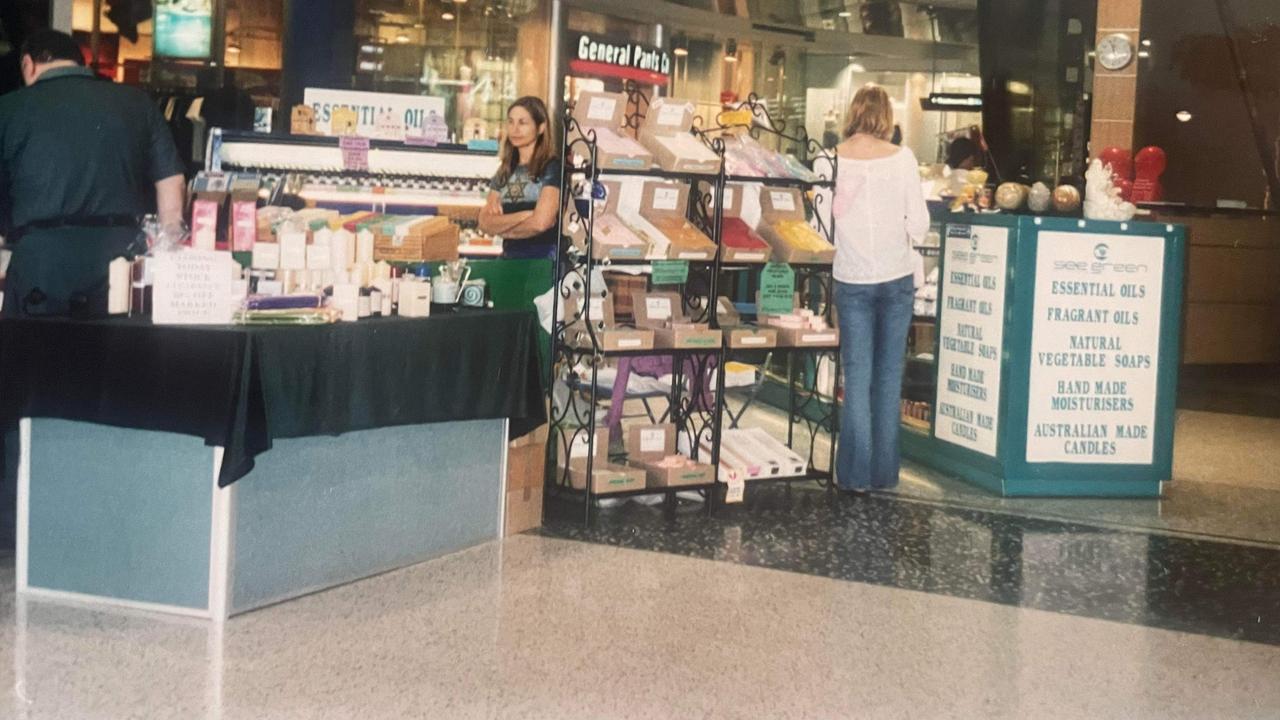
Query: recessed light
pixel 1184 116
pixel 680 52
pixel 844 14
pixel 446 15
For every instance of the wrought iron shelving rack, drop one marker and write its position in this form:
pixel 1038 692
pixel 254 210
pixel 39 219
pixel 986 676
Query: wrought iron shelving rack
pixel 696 412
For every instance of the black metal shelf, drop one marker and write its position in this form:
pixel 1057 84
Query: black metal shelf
pixel 780 182
pixel 655 173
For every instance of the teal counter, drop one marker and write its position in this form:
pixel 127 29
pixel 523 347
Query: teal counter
pixel 1057 350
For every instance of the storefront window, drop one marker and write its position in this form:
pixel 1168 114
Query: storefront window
pixel 477 56
pixel 1220 134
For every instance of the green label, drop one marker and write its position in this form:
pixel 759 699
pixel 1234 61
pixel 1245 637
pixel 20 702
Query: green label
pixel 670 272
pixel 777 289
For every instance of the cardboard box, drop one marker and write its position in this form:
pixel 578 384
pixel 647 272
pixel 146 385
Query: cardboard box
pixel 663 313
pixel 526 466
pixel 575 226
pixel 429 239
pixel 665 205
pixel 607 335
pixel 604 113
pixel 739 335
pixel 733 201
pixel 665 133
pixel 782 205
pixel 648 445
pixel 524 510
pixel 607 479
pixel 802 336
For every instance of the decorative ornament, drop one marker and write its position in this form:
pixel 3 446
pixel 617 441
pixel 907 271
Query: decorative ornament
pixel 1102 200
pixel 1066 199
pixel 1010 196
pixel 1039 199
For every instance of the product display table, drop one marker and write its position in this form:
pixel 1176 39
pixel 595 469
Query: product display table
pixel 1057 355
pixel 213 470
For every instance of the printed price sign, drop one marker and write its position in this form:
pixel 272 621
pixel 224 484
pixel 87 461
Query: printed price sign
pixel 777 289
pixel 355 153
pixel 670 272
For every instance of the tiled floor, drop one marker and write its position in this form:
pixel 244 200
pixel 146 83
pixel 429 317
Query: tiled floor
pixel 914 613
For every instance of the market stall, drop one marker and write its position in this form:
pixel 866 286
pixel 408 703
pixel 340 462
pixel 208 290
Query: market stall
pixel 1056 362
pixel 212 470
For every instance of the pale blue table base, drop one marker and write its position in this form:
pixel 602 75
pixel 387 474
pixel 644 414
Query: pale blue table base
pixel 135 518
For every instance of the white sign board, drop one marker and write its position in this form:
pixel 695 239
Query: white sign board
pixel 412 111
pixel 1095 348
pixel 192 287
pixel 971 336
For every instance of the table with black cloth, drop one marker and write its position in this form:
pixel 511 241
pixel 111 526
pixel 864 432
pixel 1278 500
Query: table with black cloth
pixel 338 451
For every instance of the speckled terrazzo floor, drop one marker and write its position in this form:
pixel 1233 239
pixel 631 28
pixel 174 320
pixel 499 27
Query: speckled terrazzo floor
pixel 543 628
pixel 1200 586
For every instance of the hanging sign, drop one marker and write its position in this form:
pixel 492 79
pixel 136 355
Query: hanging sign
pixel 401 114
pixel 777 289
pixel 355 153
pixel 1095 348
pixel 599 56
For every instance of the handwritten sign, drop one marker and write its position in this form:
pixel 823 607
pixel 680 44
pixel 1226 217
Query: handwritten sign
pixel 192 287
pixel 355 153
pixel 777 289
pixel 670 272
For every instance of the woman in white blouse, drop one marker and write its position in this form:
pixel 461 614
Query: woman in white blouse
pixel 879 213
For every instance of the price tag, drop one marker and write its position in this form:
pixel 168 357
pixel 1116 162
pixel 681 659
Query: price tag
pixel 658 308
pixel 735 491
pixel 653 440
pixel 601 108
pixel 666 199
pixel 670 272
pixel 777 289
pixel 671 115
pixel 595 308
pixel 782 201
pixel 355 153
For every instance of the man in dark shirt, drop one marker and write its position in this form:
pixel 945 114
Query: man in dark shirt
pixel 81 160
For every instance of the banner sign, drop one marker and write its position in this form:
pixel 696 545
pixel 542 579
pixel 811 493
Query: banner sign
pixel 384 116
pixel 599 56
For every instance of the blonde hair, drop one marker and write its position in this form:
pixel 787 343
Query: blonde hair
pixel 871 113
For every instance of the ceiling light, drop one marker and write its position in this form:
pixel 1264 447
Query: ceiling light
pixel 402 38
pixel 446 15
pixel 857 67
pixel 1183 116
pixel 679 52
pixel 233 48
pixel 844 14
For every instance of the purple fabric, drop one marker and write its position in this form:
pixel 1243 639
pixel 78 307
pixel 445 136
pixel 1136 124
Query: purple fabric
pixel 654 366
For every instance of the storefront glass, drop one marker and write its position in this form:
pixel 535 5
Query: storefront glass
pixel 1221 133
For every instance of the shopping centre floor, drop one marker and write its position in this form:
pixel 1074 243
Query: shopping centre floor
pixel 796 604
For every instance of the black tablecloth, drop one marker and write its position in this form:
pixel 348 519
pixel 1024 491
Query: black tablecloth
pixel 242 387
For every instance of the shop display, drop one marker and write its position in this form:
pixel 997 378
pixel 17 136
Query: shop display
pixel 652 448
pixel 664 314
pixel 746 157
pixel 1102 198
pixel 740 242
pixel 1066 199
pixel 604 327
pixel 802 328
pixel 614 237
pixel 926 300
pixel 1011 196
pixel 666 133
pixel 664 206
pixel 785 226
pixel 606 478
pixel 753 454
pixel 602 114
pixel 1039 198
pixel 739 334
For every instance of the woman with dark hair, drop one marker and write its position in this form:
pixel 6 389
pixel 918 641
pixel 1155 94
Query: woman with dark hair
pixel 524 195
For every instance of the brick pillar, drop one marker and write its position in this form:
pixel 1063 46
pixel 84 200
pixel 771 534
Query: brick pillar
pixel 1115 93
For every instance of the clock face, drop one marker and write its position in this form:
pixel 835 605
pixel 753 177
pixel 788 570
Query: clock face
pixel 1115 51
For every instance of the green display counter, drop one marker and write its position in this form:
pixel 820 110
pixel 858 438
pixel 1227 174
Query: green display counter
pixel 1057 356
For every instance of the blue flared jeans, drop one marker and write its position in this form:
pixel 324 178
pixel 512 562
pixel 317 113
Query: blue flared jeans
pixel 874 320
